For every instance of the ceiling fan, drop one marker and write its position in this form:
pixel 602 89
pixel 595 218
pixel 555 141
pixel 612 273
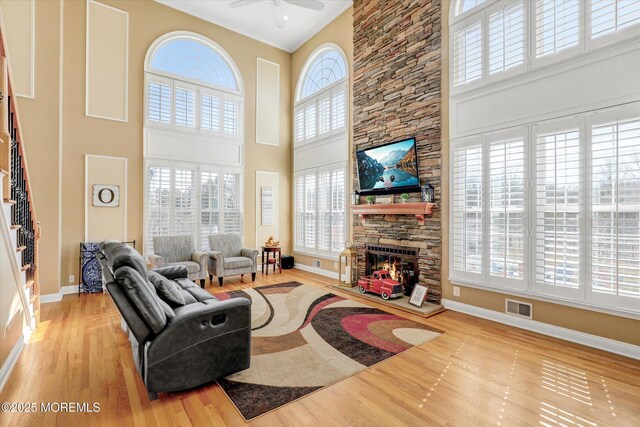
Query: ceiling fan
pixel 278 7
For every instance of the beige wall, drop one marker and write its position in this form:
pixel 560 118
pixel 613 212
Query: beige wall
pixel 105 222
pixel 149 20
pixel 339 32
pixel 591 322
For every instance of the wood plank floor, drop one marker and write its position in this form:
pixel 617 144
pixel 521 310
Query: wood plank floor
pixel 477 373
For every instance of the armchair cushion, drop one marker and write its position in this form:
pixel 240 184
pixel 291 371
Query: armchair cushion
pixel 233 263
pixel 229 244
pixel 174 248
pixel 167 289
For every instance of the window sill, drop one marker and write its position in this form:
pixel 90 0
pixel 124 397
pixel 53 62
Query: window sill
pixel 550 299
pixel 322 255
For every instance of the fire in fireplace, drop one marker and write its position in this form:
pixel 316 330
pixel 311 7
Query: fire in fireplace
pixel 400 262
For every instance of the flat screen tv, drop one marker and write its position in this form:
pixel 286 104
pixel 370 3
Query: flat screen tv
pixel 388 168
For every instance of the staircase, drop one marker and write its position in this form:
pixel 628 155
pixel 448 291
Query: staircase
pixel 18 225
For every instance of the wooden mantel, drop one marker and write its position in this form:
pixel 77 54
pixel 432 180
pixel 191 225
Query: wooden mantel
pixel 417 209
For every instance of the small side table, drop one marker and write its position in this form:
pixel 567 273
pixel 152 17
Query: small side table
pixel 277 258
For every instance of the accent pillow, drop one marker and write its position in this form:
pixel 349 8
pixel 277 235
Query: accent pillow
pixel 167 309
pixel 143 298
pixel 167 289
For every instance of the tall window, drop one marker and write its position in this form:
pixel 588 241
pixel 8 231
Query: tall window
pixel 193 106
pixel 320 154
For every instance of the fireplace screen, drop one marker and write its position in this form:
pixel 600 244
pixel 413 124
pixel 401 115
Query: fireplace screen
pixel 401 263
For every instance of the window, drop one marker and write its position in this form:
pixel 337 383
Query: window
pixel 184 198
pixel 489 38
pixel 320 154
pixel 581 191
pixel 319 220
pixel 194 107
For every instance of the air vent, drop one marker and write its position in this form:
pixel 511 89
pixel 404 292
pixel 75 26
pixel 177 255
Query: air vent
pixel 519 308
pixel 316 263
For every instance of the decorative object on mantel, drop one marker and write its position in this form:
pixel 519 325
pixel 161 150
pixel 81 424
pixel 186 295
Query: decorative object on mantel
pixel 272 243
pixel 404 197
pixel 418 295
pixel 371 200
pixel 417 209
pixel 355 198
pixel 106 195
pixel 428 193
pixel 384 200
pixel 350 256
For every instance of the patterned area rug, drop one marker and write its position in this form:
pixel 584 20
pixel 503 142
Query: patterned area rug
pixel 305 338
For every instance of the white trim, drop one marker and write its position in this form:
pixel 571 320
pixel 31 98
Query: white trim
pixel 276 208
pixel 123 200
pixel 305 68
pixel 320 271
pixel 277 142
pixel 10 362
pixel 60 133
pixel 606 344
pixel 57 297
pixel 126 64
pixel 32 78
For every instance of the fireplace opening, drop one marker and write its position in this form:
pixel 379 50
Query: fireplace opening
pixel 400 262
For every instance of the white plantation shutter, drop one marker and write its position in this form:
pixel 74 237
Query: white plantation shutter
pixel 324 210
pixel 185 198
pixel 158 203
pixel 298 124
pixel 609 16
pixel 324 115
pixel 339 107
pixel 159 102
pixel 232 216
pixel 557 26
pixel 467 54
pixel 310 206
pixel 467 209
pixel 338 211
pixel 184 102
pixel 231 117
pixel 209 206
pixel 299 213
pixel 615 208
pixel 210 112
pixel 506 207
pixel 506 38
pixel 558 216
pixel 310 121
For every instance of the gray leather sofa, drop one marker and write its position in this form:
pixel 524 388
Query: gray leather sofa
pixel 181 336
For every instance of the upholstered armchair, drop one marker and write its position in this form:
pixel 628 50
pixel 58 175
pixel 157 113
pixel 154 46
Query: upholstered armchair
pixel 228 258
pixel 179 250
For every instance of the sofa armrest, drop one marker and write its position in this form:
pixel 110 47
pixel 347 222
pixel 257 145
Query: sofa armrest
pixel 173 272
pixel 156 261
pixel 196 323
pixel 201 258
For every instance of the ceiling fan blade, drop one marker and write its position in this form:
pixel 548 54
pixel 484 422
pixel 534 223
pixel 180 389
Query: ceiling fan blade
pixel 240 3
pixel 278 14
pixel 307 4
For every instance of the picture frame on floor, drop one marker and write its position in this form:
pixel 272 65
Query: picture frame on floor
pixel 418 295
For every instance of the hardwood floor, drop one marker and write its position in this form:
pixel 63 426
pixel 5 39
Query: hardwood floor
pixel 477 373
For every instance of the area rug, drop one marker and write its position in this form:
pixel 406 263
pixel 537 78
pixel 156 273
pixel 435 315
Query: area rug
pixel 304 338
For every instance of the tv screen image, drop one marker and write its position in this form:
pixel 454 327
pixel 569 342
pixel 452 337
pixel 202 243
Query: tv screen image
pixel 388 168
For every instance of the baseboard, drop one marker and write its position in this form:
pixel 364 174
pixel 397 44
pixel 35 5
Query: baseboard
pixel 8 365
pixel 606 344
pixel 326 273
pixel 57 297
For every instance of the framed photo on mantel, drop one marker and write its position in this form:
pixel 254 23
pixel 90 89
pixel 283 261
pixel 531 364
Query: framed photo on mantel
pixel 418 295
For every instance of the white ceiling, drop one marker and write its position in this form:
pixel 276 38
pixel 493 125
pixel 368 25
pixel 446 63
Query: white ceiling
pixel 257 21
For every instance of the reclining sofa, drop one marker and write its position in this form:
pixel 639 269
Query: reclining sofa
pixel 181 336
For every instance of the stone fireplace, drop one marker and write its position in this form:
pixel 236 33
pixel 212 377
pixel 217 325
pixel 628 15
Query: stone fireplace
pixel 397 95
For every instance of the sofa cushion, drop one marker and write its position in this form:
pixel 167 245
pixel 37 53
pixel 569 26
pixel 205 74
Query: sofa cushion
pixel 124 255
pixel 168 311
pixel 167 289
pixel 200 294
pixel 185 283
pixel 192 267
pixel 188 298
pixel 237 262
pixel 143 297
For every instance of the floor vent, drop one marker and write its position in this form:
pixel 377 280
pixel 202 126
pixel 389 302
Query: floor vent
pixel 518 308
pixel 316 263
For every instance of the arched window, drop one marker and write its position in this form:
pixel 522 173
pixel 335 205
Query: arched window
pixel 544 163
pixel 320 153
pixel 193 140
pixel 490 39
